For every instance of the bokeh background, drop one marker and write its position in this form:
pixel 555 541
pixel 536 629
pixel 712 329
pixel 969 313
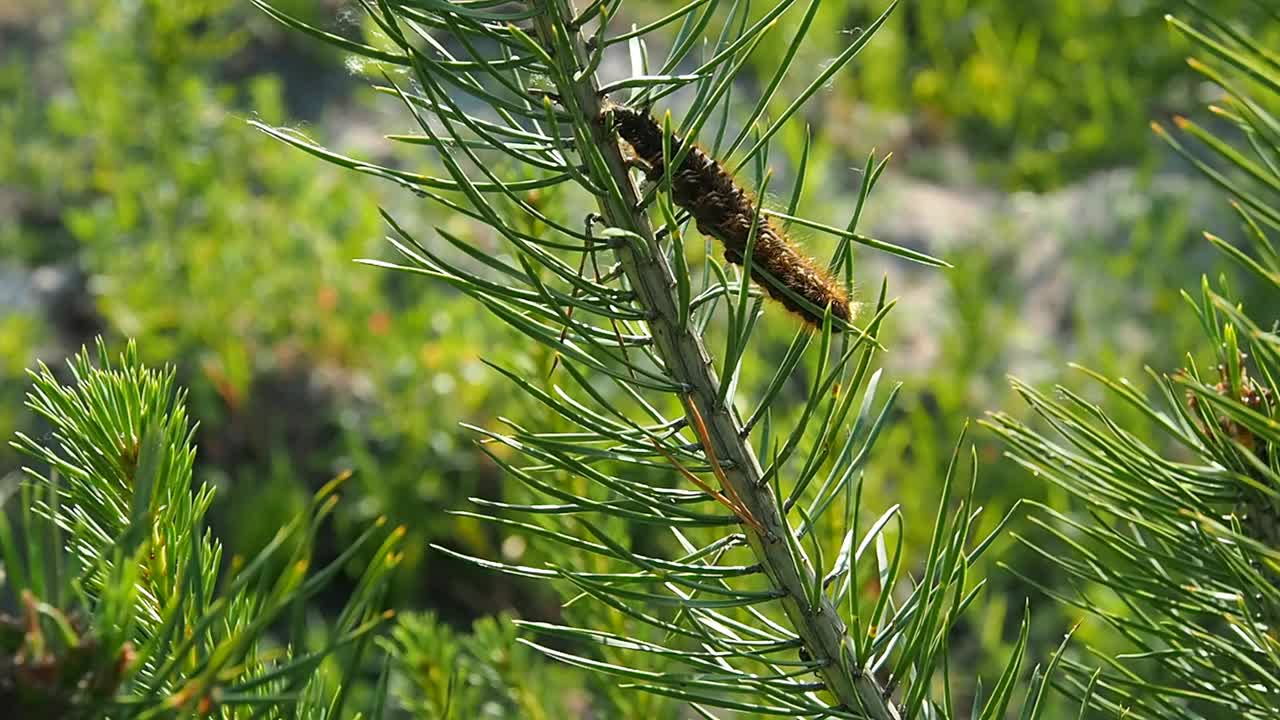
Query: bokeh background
pixel 136 201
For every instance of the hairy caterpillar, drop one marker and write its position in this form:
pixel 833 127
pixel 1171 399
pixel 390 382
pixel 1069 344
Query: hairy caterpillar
pixel 725 211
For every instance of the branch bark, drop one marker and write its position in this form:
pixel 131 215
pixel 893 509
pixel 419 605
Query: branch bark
pixel 819 628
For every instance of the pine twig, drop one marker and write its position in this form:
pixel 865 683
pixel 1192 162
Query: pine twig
pixel 820 628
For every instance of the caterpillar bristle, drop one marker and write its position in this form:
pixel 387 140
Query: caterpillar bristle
pixel 724 210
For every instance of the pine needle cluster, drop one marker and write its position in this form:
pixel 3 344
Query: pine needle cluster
pixel 1183 532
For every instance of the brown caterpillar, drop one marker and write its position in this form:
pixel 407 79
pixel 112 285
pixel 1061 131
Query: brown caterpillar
pixel 725 211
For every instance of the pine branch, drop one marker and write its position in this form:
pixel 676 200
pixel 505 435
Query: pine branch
pixel 631 344
pixel 128 611
pixel 688 362
pixel 1181 527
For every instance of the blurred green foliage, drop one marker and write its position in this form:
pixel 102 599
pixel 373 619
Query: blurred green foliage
pixel 128 171
pixel 226 255
pixel 1044 91
pixel 440 672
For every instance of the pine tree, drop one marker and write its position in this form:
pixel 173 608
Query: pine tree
pixel 1184 534
pixel 115 602
pixel 708 534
